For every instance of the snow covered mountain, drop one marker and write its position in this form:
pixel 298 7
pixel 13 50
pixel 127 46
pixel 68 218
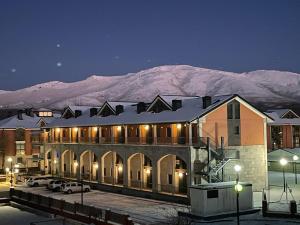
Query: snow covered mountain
pixel 262 87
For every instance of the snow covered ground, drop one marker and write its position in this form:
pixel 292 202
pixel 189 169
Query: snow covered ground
pixel 146 211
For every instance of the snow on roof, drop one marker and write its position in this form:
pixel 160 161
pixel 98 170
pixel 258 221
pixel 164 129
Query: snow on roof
pixel 169 98
pixel 113 104
pixel 191 109
pixel 13 122
pixel 276 115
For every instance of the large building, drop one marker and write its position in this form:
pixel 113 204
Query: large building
pixel 162 146
pixel 20 139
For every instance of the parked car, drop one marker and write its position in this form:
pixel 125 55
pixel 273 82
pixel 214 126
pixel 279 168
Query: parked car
pixel 56 185
pixel 39 181
pixel 75 187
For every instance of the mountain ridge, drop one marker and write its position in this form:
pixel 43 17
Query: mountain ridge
pixel 266 87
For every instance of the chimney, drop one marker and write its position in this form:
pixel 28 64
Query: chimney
pixel 93 111
pixel 77 113
pixel 141 107
pixel 206 101
pixel 29 112
pixel 119 109
pixel 176 104
pixel 20 112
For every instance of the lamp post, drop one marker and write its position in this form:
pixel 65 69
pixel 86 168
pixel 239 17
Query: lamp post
pixel 238 188
pixel 295 158
pixel 11 175
pixel 283 163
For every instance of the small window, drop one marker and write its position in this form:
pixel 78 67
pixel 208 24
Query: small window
pixel 237 130
pixel 230 111
pixel 104 171
pixel 73 185
pixel 170 179
pixel 130 174
pixel 212 194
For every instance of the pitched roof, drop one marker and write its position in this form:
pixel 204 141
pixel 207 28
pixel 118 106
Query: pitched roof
pixel 192 108
pixel 277 115
pixel 13 122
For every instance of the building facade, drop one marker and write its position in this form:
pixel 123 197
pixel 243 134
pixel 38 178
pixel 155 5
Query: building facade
pixel 163 146
pixel 284 131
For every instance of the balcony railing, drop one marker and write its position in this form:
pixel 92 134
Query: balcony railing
pixel 195 141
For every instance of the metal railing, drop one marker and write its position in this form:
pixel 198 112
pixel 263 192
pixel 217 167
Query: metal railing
pixel 83 213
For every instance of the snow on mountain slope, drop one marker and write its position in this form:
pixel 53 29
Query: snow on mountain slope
pixel 258 86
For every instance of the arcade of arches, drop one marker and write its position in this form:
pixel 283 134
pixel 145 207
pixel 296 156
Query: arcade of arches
pixel 167 174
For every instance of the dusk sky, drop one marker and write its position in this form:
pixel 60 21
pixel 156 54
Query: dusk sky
pixel 70 40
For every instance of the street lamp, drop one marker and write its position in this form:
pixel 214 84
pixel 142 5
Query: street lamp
pixel 283 163
pixel 238 188
pixel 295 158
pixel 11 175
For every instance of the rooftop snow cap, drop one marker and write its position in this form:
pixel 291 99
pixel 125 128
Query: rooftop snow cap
pixel 206 100
pixel 176 104
pixel 93 111
pixel 77 113
pixel 119 109
pixel 141 107
pixel 20 117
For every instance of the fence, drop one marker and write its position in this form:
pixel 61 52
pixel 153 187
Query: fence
pixel 76 211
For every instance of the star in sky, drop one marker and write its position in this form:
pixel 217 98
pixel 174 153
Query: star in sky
pixel 13 70
pixel 58 45
pixel 58 64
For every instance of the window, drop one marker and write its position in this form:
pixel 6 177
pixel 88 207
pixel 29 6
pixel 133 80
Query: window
pixel 20 147
pixel 130 174
pixel 212 194
pixel 233 110
pixel 104 171
pixel 237 130
pixel 229 111
pixel 170 179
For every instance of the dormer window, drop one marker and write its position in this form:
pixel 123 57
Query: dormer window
pixel 159 105
pixel 289 115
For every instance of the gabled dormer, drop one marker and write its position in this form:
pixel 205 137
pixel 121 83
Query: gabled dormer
pixel 158 105
pixel 106 110
pixel 289 114
pixel 68 113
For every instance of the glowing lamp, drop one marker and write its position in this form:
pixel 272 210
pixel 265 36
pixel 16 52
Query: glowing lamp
pixel 238 187
pixel 9 159
pixel 283 161
pixel 237 168
pixel 179 126
pixel 295 157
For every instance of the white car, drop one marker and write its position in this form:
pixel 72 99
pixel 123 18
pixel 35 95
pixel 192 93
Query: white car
pixel 75 187
pixel 38 181
pixel 56 185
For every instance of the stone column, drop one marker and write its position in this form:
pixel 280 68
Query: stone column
pixel 190 134
pixel 70 134
pixel 113 168
pixel 126 172
pixel 112 134
pixel 79 134
pixel 99 171
pixel 154 135
pixel 100 134
pixel 89 134
pixel 155 183
pixel 126 134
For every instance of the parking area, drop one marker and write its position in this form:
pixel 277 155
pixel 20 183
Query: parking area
pixel 143 211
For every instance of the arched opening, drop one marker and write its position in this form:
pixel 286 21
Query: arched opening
pixel 112 168
pixel 88 166
pixel 172 175
pixel 69 164
pixel 139 171
pixel 48 167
